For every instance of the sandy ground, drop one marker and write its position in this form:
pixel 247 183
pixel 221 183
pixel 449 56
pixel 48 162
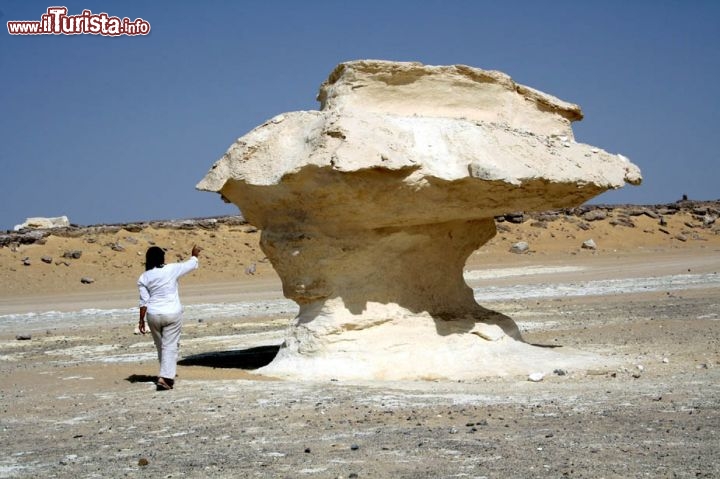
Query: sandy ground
pixel 77 400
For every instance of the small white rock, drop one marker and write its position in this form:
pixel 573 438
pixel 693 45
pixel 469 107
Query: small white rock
pixel 641 367
pixel 536 377
pixel 520 247
pixel 589 244
pixel 665 360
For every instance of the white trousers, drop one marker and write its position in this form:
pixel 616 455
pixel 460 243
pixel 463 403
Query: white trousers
pixel 165 329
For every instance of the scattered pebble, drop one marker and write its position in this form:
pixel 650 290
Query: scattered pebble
pixel 87 280
pixel 143 462
pixel 23 337
pixel 595 215
pixel 589 244
pixel 74 254
pixel 520 247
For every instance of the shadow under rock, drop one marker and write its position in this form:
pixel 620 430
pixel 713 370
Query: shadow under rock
pixel 251 358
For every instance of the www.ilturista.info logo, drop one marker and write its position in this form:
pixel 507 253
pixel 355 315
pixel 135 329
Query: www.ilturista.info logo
pixel 57 22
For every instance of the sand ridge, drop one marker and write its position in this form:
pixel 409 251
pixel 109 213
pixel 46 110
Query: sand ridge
pixel 231 248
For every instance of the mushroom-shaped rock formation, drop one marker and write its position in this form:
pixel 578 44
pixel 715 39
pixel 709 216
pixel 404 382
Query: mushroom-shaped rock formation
pixel 370 207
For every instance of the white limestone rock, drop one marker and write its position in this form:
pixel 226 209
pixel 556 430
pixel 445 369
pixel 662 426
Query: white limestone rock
pixel 589 244
pixel 370 207
pixel 43 223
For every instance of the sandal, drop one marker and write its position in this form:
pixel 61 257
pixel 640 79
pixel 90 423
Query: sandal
pixel 162 385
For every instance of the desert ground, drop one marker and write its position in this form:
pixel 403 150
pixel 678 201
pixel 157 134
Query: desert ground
pixel 78 400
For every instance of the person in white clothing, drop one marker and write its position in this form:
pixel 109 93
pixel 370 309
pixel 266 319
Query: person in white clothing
pixel 160 302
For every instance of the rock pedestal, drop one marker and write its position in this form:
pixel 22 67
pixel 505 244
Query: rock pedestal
pixel 370 207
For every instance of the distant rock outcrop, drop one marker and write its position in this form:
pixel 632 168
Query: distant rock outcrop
pixel 43 223
pixel 370 207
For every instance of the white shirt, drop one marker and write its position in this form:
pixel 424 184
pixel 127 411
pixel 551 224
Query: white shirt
pixel 159 287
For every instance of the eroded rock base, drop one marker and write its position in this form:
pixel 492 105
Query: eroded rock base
pixel 387 342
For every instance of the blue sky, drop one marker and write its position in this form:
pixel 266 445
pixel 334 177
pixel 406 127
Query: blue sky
pixel 108 130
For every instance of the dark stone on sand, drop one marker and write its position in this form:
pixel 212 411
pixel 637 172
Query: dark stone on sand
pixel 517 218
pixel 46 259
pixel 209 224
pixel 595 215
pixel 667 211
pixel 23 337
pixel 74 254
pixel 133 228
pixel 583 226
pixel 636 212
pixel 622 221
pixel 547 217
pixel 87 280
